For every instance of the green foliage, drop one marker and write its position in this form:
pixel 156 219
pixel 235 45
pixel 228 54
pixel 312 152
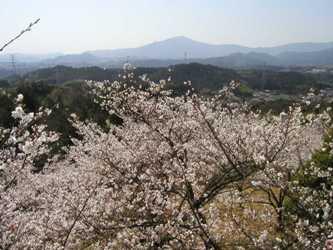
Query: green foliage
pixel 62 74
pixel 72 97
pixel 321 160
pixel 34 93
pixel 6 107
pixel 286 82
pixel 244 90
pixel 205 78
pixel 4 84
pixel 274 106
pixel 312 184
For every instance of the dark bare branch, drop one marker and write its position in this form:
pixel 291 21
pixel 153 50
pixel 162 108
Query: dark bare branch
pixel 20 34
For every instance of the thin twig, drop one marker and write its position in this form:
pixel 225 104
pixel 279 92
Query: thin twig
pixel 76 219
pixel 20 34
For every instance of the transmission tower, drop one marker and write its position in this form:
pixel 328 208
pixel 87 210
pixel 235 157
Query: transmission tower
pixel 13 62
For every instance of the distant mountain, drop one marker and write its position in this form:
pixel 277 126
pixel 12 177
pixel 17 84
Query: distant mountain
pixel 28 58
pixel 173 48
pixel 78 60
pixel 322 57
pixel 295 47
pixel 61 74
pixel 242 60
pixel 180 47
pixel 236 60
pixel 285 59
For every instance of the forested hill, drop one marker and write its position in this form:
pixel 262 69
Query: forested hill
pixel 204 78
pixel 62 74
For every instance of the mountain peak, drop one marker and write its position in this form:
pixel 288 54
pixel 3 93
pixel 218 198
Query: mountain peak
pixel 184 48
pixel 180 38
pixel 177 40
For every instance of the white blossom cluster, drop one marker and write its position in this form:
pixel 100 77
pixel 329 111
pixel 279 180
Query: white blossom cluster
pixel 20 146
pixel 178 173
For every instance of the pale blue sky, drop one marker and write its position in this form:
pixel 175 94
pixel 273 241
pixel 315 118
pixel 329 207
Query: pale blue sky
pixel 80 25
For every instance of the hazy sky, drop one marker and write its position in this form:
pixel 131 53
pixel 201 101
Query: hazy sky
pixel 79 25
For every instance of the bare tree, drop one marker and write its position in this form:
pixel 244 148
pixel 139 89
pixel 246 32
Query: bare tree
pixel 20 34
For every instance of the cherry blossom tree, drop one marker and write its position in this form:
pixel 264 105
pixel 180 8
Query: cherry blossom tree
pixel 186 172
pixel 311 202
pixel 21 147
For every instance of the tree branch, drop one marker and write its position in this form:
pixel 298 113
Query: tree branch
pixel 20 34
